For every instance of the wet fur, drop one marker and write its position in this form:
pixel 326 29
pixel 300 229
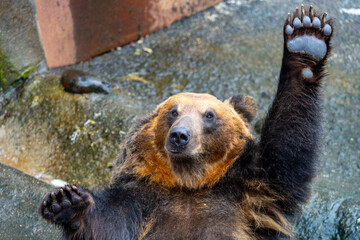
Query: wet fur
pixel 251 191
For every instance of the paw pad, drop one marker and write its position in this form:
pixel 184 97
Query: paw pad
pixel 307 73
pixel 306 33
pixel 62 205
pixel 309 45
pixel 307 21
pixel 316 22
pixel 327 30
pixel 304 20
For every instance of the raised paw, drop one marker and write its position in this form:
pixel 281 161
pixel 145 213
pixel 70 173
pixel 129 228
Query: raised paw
pixel 65 205
pixel 308 33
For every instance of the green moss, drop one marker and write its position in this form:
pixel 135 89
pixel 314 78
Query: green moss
pixel 2 78
pixel 7 71
pixel 9 74
pixel 28 70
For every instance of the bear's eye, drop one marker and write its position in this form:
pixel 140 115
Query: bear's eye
pixel 174 113
pixel 209 115
pixel 211 122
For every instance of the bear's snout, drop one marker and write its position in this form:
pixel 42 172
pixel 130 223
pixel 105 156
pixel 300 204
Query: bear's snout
pixel 183 138
pixel 179 137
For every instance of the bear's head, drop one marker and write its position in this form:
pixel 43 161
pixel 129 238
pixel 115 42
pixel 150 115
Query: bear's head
pixel 190 140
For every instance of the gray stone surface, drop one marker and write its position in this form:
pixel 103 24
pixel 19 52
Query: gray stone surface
pixel 333 212
pixel 20 49
pixel 20 195
pixel 55 134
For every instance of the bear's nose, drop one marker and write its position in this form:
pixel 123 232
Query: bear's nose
pixel 179 136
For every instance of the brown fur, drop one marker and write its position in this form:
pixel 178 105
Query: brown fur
pixel 148 159
pixel 260 207
pixel 244 105
pixel 192 170
pixel 257 211
pixel 197 211
pixel 151 161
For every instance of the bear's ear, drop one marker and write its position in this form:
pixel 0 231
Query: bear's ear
pixel 244 105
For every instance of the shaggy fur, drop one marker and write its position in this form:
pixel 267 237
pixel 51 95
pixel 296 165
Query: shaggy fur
pixel 219 182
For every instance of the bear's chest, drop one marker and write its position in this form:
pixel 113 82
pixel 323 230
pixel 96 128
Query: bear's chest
pixel 196 218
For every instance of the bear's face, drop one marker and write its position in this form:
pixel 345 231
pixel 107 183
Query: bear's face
pixel 194 125
pixel 193 139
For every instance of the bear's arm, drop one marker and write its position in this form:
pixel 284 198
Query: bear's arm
pixel 113 213
pixel 289 141
pixel 116 214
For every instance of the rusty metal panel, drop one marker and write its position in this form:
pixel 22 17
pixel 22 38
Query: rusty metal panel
pixel 76 30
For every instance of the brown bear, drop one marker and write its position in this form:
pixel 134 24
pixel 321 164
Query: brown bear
pixel 193 170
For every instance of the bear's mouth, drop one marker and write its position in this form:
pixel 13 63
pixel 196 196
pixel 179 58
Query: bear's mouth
pixel 175 150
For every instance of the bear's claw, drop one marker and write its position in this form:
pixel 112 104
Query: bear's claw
pixel 306 34
pixel 309 20
pixel 64 205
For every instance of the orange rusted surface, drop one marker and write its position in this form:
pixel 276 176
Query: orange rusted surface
pixel 75 30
